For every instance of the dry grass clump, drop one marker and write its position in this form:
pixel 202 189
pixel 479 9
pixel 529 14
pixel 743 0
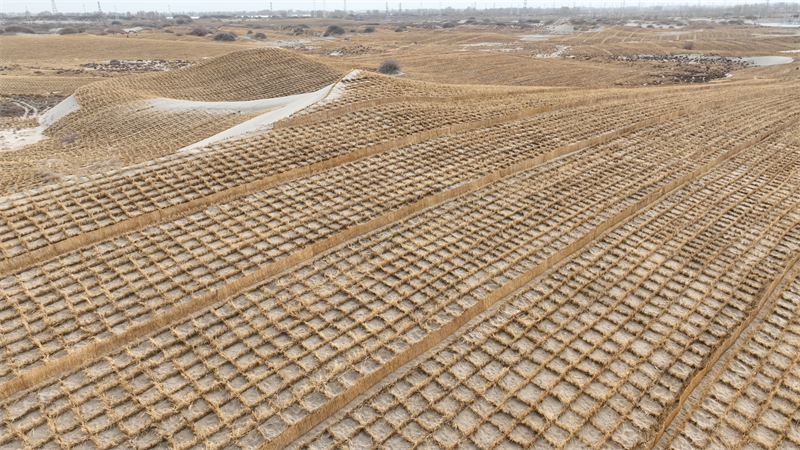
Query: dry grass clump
pixel 199 31
pixel 68 30
pixel 225 36
pixel 333 30
pixel 19 29
pixel 389 67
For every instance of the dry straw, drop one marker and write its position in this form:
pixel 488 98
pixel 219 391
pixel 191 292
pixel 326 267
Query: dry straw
pixel 767 328
pixel 554 288
pixel 433 338
pixel 429 201
pixel 488 212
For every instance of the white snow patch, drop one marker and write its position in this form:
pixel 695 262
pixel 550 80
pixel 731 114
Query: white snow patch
pixel 55 114
pixel 767 60
pixel 485 44
pixel 559 50
pixel 246 106
pixel 339 88
pixel 262 123
pixel 535 37
pixel 564 29
pixel 15 139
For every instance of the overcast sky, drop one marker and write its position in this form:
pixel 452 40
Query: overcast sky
pixel 36 6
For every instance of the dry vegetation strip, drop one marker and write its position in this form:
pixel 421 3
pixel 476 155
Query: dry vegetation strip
pixel 317 114
pixel 761 368
pixel 12 85
pixel 437 336
pixel 735 335
pixel 57 212
pixel 597 351
pixel 33 254
pixel 491 196
pixel 274 268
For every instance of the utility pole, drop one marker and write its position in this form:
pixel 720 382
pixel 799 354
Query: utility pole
pixel 345 8
pixel 55 10
pixel 116 14
pixel 99 10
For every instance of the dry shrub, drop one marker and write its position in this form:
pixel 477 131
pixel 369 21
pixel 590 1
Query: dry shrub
pixel 70 137
pixel 199 31
pixel 369 30
pixel 389 67
pixel 68 30
pixel 225 36
pixel 333 30
pixel 688 45
pixel 20 29
pixel 260 36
